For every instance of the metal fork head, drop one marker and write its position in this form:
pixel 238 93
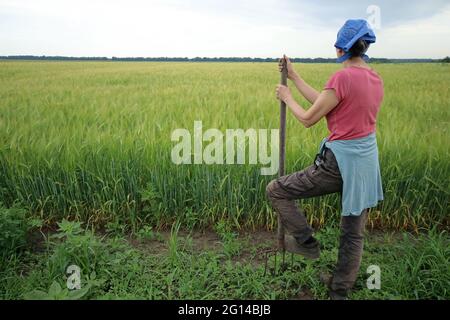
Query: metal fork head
pixel 275 270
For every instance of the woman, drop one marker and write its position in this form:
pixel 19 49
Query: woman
pixel 347 161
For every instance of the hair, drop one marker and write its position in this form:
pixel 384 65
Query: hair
pixel 359 48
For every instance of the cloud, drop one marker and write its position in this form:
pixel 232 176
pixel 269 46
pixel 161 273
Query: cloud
pixel 210 28
pixel 393 12
pixel 419 38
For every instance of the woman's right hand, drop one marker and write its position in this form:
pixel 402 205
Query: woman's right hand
pixel 292 75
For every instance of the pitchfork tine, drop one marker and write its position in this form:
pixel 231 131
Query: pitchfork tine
pixel 265 263
pixel 275 262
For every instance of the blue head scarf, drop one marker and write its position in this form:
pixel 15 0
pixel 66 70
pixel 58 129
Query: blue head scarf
pixel 352 31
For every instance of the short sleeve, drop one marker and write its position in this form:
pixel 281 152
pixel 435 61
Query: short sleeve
pixel 340 82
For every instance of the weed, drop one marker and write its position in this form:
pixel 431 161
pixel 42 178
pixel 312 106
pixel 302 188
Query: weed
pixel 15 227
pixel 231 246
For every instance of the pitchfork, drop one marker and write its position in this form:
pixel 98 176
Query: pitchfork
pixel 280 229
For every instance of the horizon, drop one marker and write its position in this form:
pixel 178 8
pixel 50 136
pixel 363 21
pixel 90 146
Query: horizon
pixel 55 57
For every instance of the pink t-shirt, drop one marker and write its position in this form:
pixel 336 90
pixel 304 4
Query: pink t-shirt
pixel 360 92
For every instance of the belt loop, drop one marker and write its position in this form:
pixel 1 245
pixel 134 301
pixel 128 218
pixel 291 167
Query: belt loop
pixel 318 160
pixel 320 156
pixel 322 152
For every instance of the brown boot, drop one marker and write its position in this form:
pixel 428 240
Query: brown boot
pixel 327 279
pixel 309 250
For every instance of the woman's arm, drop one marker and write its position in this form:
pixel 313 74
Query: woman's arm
pixel 304 88
pixel 325 102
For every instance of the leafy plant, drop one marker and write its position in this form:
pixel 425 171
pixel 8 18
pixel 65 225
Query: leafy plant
pixel 116 227
pixel 73 245
pixel 56 292
pixel 147 233
pixel 14 229
pixel 150 203
pixel 231 246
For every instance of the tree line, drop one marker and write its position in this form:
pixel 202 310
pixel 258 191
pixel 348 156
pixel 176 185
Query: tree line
pixel 210 59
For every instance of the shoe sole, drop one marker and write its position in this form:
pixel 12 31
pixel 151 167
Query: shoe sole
pixel 292 246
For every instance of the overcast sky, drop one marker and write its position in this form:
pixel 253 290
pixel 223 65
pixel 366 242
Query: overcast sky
pixel 189 28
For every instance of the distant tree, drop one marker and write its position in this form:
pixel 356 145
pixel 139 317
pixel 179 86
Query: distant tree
pixel 215 59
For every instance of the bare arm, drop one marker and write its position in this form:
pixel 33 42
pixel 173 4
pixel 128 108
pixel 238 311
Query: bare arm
pixel 305 89
pixel 324 103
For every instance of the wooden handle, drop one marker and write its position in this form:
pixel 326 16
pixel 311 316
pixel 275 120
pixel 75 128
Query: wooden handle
pixel 284 72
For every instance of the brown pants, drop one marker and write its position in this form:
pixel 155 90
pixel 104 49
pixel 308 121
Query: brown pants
pixel 323 177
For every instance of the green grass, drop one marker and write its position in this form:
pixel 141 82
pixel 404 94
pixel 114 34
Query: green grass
pixel 91 141
pixel 112 268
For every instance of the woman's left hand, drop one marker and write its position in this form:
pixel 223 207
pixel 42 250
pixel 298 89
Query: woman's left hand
pixel 283 92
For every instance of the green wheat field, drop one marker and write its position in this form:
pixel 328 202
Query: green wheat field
pixel 86 178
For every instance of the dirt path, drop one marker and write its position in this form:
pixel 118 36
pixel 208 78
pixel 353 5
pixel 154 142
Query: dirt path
pixel 253 243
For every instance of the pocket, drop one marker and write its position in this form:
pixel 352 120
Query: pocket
pixel 296 183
